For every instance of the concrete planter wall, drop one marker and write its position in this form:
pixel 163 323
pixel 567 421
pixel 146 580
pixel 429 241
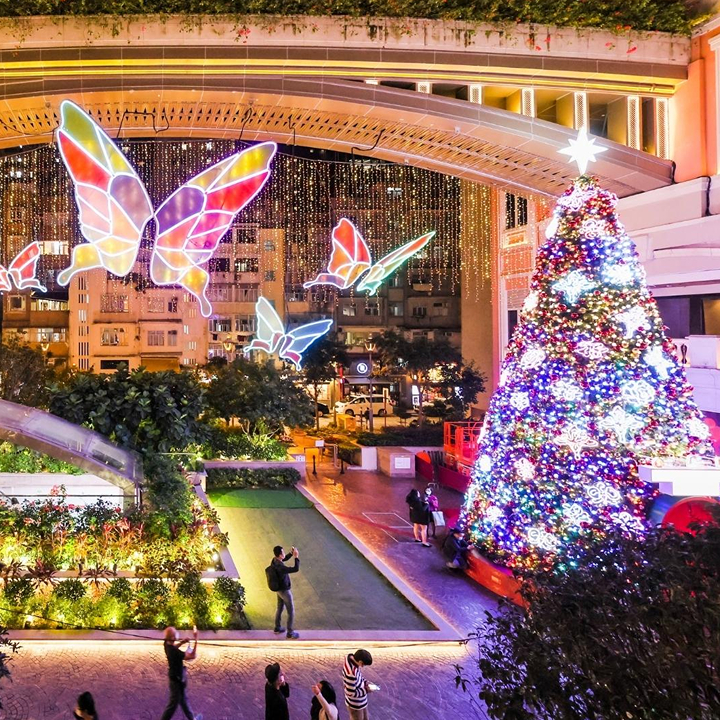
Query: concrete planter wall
pixel 298 465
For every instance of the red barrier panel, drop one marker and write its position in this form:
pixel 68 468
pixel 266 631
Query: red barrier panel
pixel 495 578
pixel 424 466
pixel 453 479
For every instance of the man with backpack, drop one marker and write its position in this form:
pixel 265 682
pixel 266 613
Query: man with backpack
pixel 278 580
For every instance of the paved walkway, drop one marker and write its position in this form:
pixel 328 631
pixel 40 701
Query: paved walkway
pixel 373 507
pixel 130 682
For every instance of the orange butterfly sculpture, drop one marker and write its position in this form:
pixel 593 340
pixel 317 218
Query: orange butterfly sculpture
pixel 21 271
pixel 115 208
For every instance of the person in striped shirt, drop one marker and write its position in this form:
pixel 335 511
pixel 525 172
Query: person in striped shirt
pixel 355 686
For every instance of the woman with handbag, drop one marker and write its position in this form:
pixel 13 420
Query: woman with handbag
pixel 433 508
pixel 419 516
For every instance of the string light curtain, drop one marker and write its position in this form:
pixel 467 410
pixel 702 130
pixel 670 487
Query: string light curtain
pixel 306 196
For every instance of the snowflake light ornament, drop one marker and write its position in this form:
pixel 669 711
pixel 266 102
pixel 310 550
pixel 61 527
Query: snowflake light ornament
pixel 542 539
pixel 531 302
pixel 633 319
pixel 617 274
pixel 520 400
pixel 593 227
pixel 532 358
pixel 637 392
pixel 627 522
pixel 566 390
pixel 492 514
pixel 592 350
pixel 602 494
pixel 524 468
pixel 575 514
pixel 697 428
pixel 656 358
pixel 573 285
pixel 622 423
pixel 505 376
pixel 485 463
pixel 576 438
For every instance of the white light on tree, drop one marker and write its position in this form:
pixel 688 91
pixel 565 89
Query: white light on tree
pixel 618 274
pixel 504 376
pixel 627 521
pixel 493 514
pixel 602 494
pixel 485 463
pixel 532 358
pixel 633 319
pixel 566 390
pixel 575 514
pixel 576 438
pixel 656 358
pixel 531 302
pixel 525 469
pixel 622 423
pixel 638 393
pixel 698 428
pixel 582 151
pixel 552 228
pixel 592 350
pixel 573 285
pixel 542 539
pixel 520 400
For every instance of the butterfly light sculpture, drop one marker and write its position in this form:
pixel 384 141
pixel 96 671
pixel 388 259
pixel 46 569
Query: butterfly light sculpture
pixel 115 208
pixel 22 270
pixel 271 336
pixel 350 259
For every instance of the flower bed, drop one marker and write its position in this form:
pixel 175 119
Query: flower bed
pixel 40 538
pixel 122 603
pixel 240 478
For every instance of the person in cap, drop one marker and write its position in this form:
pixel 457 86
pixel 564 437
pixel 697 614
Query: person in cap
pixel 277 691
pixel 177 673
pixel 456 549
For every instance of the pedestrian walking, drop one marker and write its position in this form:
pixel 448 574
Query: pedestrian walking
pixel 277 691
pixel 433 507
pixel 419 516
pixel 278 580
pixel 355 686
pixel 177 672
pixel 324 702
pixel 85 708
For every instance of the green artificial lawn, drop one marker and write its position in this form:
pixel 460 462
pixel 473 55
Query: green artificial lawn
pixel 336 588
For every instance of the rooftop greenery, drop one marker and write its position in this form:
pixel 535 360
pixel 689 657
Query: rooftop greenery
pixel 672 16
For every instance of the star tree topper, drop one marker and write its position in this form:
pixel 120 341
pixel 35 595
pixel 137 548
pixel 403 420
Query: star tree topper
pixel 582 151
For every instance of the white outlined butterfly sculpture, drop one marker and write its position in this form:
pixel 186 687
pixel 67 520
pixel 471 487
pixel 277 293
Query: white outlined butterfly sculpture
pixel 350 258
pixel 114 207
pixel 22 270
pixel 271 336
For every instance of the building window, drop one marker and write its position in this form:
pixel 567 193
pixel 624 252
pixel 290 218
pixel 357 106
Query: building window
pixel 419 311
pixel 55 247
pixel 269 275
pixel 396 280
pixel 220 264
pixel 172 338
pixel 244 265
pixel 440 309
pixel 186 329
pixel 156 304
pixel 82 283
pixel 113 336
pixel 114 304
pixel 155 338
pixel 48 335
pixel 349 310
pixel 192 345
pixel 372 309
pixel 245 323
pixel 245 236
pixel 82 316
pixel 220 325
pixel 247 294
pixel 396 309
pixel 111 364
pixel 172 305
pixel 516 211
pixel 44 305
pixel 219 293
pixel 16 303
pixel 269 246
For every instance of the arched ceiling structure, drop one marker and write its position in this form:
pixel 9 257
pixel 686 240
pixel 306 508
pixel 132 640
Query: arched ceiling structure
pixel 314 96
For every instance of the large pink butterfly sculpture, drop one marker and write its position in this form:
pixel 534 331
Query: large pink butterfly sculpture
pixel 350 258
pixel 21 271
pixel 114 207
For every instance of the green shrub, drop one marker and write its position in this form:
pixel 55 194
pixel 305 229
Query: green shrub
pixel 236 444
pixel 190 586
pixel 121 589
pixel 430 435
pixel 153 590
pixel 16 459
pixel 230 591
pixel 239 478
pixel 19 592
pixel 72 590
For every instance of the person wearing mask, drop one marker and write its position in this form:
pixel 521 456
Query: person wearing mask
pixel 177 672
pixel 277 691
pixel 433 506
pixel 355 686
pixel 323 706
pixel 456 549
pixel 278 577
pixel 419 516
pixel 85 708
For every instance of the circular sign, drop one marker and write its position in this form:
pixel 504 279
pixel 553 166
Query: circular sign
pixel 362 368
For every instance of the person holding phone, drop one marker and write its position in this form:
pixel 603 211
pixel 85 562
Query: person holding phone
pixel 279 582
pixel 177 672
pixel 323 706
pixel 355 686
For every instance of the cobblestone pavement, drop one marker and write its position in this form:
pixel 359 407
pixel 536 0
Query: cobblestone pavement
pixel 129 681
pixel 373 507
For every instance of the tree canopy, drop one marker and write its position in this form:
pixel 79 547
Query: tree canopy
pixel 24 374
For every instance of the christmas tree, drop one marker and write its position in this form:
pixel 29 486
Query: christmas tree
pixel 589 384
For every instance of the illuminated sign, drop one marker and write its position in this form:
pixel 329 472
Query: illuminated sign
pixel 350 258
pixel 271 336
pixel 22 270
pixel 114 207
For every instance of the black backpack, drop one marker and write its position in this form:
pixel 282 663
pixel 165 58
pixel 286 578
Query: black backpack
pixel 273 581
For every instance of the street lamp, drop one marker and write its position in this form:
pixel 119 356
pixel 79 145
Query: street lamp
pixel 371 347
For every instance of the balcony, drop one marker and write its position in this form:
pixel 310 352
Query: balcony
pixel 700 356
